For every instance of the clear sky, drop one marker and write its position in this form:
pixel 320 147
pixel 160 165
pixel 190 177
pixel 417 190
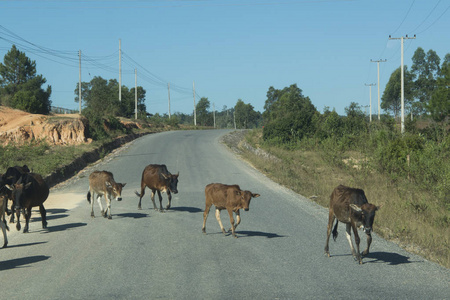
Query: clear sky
pixel 231 49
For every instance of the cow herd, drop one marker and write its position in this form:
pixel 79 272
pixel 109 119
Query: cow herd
pixel 26 190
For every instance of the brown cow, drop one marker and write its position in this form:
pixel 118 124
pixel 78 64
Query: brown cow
pixel 103 183
pixel 29 191
pixel 229 197
pixel 158 178
pixel 350 206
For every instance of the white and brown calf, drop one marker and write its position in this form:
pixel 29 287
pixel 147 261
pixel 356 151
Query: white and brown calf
pixel 103 183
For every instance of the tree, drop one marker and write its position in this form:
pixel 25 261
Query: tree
pixel 20 87
pixel 391 99
pixel 203 116
pixel 288 116
pixel 439 105
pixel 425 69
pixel 246 116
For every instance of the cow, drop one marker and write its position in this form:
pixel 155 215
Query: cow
pixel 350 206
pixel 29 191
pixel 229 197
pixel 158 179
pixel 11 176
pixel 103 183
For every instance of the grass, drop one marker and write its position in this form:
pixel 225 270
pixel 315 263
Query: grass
pixel 411 217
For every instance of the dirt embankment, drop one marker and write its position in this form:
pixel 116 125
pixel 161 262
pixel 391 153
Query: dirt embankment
pixel 18 127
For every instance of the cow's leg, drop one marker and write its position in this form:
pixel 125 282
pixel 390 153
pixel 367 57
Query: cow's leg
pixel 169 195
pixel 11 220
pixel 220 221
pixel 153 199
pixel 99 200
pixel 205 216
pixel 92 204
pixel 331 219
pixel 357 240
pixel 348 234
pixel 3 224
pixel 369 241
pixel 141 195
pixel 233 229
pixel 108 206
pixel 18 218
pixel 238 220
pixel 27 219
pixel 43 215
pixel 160 201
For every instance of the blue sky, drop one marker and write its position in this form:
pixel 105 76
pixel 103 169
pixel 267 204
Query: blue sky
pixel 231 49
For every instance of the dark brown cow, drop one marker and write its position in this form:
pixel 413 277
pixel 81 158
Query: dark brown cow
pixel 11 176
pixel 29 191
pixel 103 183
pixel 158 179
pixel 350 206
pixel 229 197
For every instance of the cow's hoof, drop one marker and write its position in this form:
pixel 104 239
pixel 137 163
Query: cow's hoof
pixel 109 218
pixel 139 208
pixel 18 226
pixel 168 206
pixel 365 252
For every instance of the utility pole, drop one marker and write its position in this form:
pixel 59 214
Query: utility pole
pixel 120 70
pixel 195 113
pixel 79 83
pixel 214 115
pixel 135 94
pixel 378 72
pixel 370 103
pixel 402 82
pixel 168 90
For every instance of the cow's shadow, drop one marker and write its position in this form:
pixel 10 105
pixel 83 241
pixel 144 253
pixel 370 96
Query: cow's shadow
pixel 386 257
pixel 258 233
pixel 131 215
pixel 19 262
pixel 65 227
pixel 185 208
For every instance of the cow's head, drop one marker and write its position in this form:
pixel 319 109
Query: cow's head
pixel 116 189
pixel 245 197
pixel 17 192
pixel 367 212
pixel 172 182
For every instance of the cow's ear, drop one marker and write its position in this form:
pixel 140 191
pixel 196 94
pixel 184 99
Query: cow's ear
pixel 355 207
pixel 379 206
pixel 237 193
pixel 108 184
pixel 9 187
pixel 178 174
pixel 27 185
pixel 255 195
pixel 123 184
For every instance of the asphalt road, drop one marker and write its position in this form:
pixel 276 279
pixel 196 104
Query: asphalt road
pixel 145 254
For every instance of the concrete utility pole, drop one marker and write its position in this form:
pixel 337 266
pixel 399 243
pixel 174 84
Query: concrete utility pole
pixel 402 82
pixel 120 70
pixel 168 90
pixel 370 96
pixel 378 71
pixel 79 84
pixel 135 94
pixel 195 113
pixel 214 115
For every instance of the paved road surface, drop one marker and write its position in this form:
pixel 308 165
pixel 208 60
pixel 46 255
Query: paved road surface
pixel 144 254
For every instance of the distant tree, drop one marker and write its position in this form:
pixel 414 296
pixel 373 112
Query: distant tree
pixel 288 116
pixel 439 105
pixel 246 116
pixel 354 122
pixel 425 69
pixel 20 87
pixel 391 99
pixel 204 117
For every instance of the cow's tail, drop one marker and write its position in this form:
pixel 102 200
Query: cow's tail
pixel 89 197
pixel 137 194
pixel 335 232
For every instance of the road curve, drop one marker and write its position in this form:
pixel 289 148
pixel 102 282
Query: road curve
pixel 145 254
